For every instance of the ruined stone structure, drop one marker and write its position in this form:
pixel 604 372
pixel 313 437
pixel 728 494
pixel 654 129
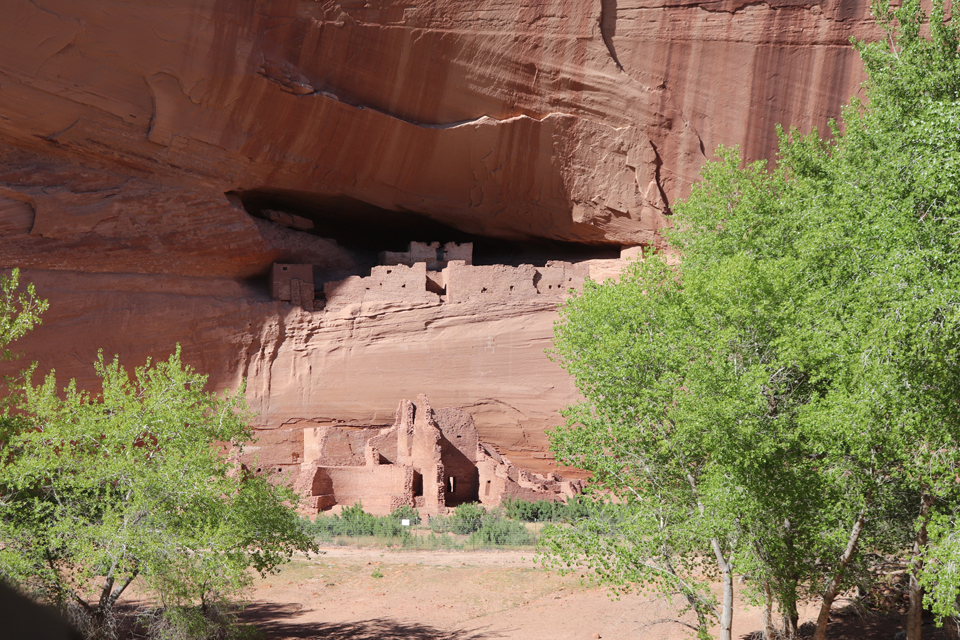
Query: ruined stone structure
pixel 435 256
pixel 293 283
pixel 396 282
pixel 159 157
pixel 428 459
pixel 457 281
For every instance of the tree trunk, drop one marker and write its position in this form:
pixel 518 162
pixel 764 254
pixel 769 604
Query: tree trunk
pixel 833 587
pixel 769 632
pixel 790 622
pixel 914 624
pixel 790 615
pixel 726 570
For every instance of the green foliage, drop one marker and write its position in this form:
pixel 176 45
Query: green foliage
pixel 432 541
pixel 797 375
pixel 100 489
pixel 496 530
pixel 354 522
pixel 485 528
pixel 214 621
pixel 576 508
pixel 406 512
pixel 465 519
pixel 20 310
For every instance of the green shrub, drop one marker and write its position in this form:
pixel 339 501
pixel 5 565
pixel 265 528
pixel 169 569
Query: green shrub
pixel 497 530
pixel 464 520
pixel 576 508
pixel 354 522
pixel 213 621
pixel 406 513
pixel 432 541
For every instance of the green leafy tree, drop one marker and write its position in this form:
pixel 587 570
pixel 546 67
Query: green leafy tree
pixel 691 422
pixel 97 490
pixel 911 133
pixel 802 359
pixel 20 310
pixel 629 346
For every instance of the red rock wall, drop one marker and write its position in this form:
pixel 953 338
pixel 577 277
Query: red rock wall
pixel 571 120
pixel 125 125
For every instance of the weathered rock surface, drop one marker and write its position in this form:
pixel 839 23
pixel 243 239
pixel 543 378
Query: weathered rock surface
pixel 570 120
pixel 305 369
pixel 157 157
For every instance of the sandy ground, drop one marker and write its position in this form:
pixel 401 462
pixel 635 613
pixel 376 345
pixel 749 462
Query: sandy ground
pixel 473 595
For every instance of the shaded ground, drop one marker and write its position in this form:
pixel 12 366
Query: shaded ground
pixel 478 595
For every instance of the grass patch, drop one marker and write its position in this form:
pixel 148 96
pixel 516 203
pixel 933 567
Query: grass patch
pixel 468 527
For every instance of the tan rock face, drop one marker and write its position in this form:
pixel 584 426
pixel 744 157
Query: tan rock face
pixel 304 369
pixel 158 157
pixel 569 120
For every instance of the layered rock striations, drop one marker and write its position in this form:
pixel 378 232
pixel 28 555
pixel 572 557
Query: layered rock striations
pixel 157 158
pixel 569 120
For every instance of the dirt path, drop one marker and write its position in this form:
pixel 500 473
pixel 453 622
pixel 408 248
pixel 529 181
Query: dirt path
pixel 470 595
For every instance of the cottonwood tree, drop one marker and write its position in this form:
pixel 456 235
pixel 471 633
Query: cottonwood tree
pixel 902 295
pixel 97 490
pixel 878 230
pixel 804 351
pixel 690 417
pixel 613 341
pixel 20 310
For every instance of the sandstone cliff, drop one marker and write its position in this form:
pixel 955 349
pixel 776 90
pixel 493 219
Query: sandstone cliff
pixel 153 150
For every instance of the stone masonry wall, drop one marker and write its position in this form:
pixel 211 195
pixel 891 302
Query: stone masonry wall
pixel 428 459
pixel 459 281
pixel 385 283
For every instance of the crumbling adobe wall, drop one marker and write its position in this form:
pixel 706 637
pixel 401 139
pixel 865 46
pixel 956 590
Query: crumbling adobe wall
pixel 557 278
pixel 458 281
pixel 277 453
pixel 430 253
pixel 500 480
pixel 385 283
pixel 455 251
pixel 428 459
pixel 458 450
pixel 493 282
pixel 426 454
pixel 385 444
pixel 293 283
pixel 335 446
pixel 380 488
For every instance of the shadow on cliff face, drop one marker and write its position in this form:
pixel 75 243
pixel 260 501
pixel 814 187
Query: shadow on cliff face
pixel 273 619
pixel 365 229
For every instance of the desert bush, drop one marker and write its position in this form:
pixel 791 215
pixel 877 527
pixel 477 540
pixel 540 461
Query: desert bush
pixel 354 522
pixel 211 621
pixel 102 489
pixel 406 513
pixel 576 508
pixel 464 520
pixel 497 530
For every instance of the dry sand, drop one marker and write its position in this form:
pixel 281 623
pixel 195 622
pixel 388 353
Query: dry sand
pixel 473 595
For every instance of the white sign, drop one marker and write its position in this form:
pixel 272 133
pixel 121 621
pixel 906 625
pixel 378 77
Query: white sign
pixel 405 523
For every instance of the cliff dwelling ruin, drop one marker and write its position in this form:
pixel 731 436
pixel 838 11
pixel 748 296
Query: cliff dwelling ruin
pixel 149 187
pixel 429 459
pixel 429 273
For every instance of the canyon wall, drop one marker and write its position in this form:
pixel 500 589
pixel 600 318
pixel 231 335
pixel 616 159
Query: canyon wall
pixel 151 152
